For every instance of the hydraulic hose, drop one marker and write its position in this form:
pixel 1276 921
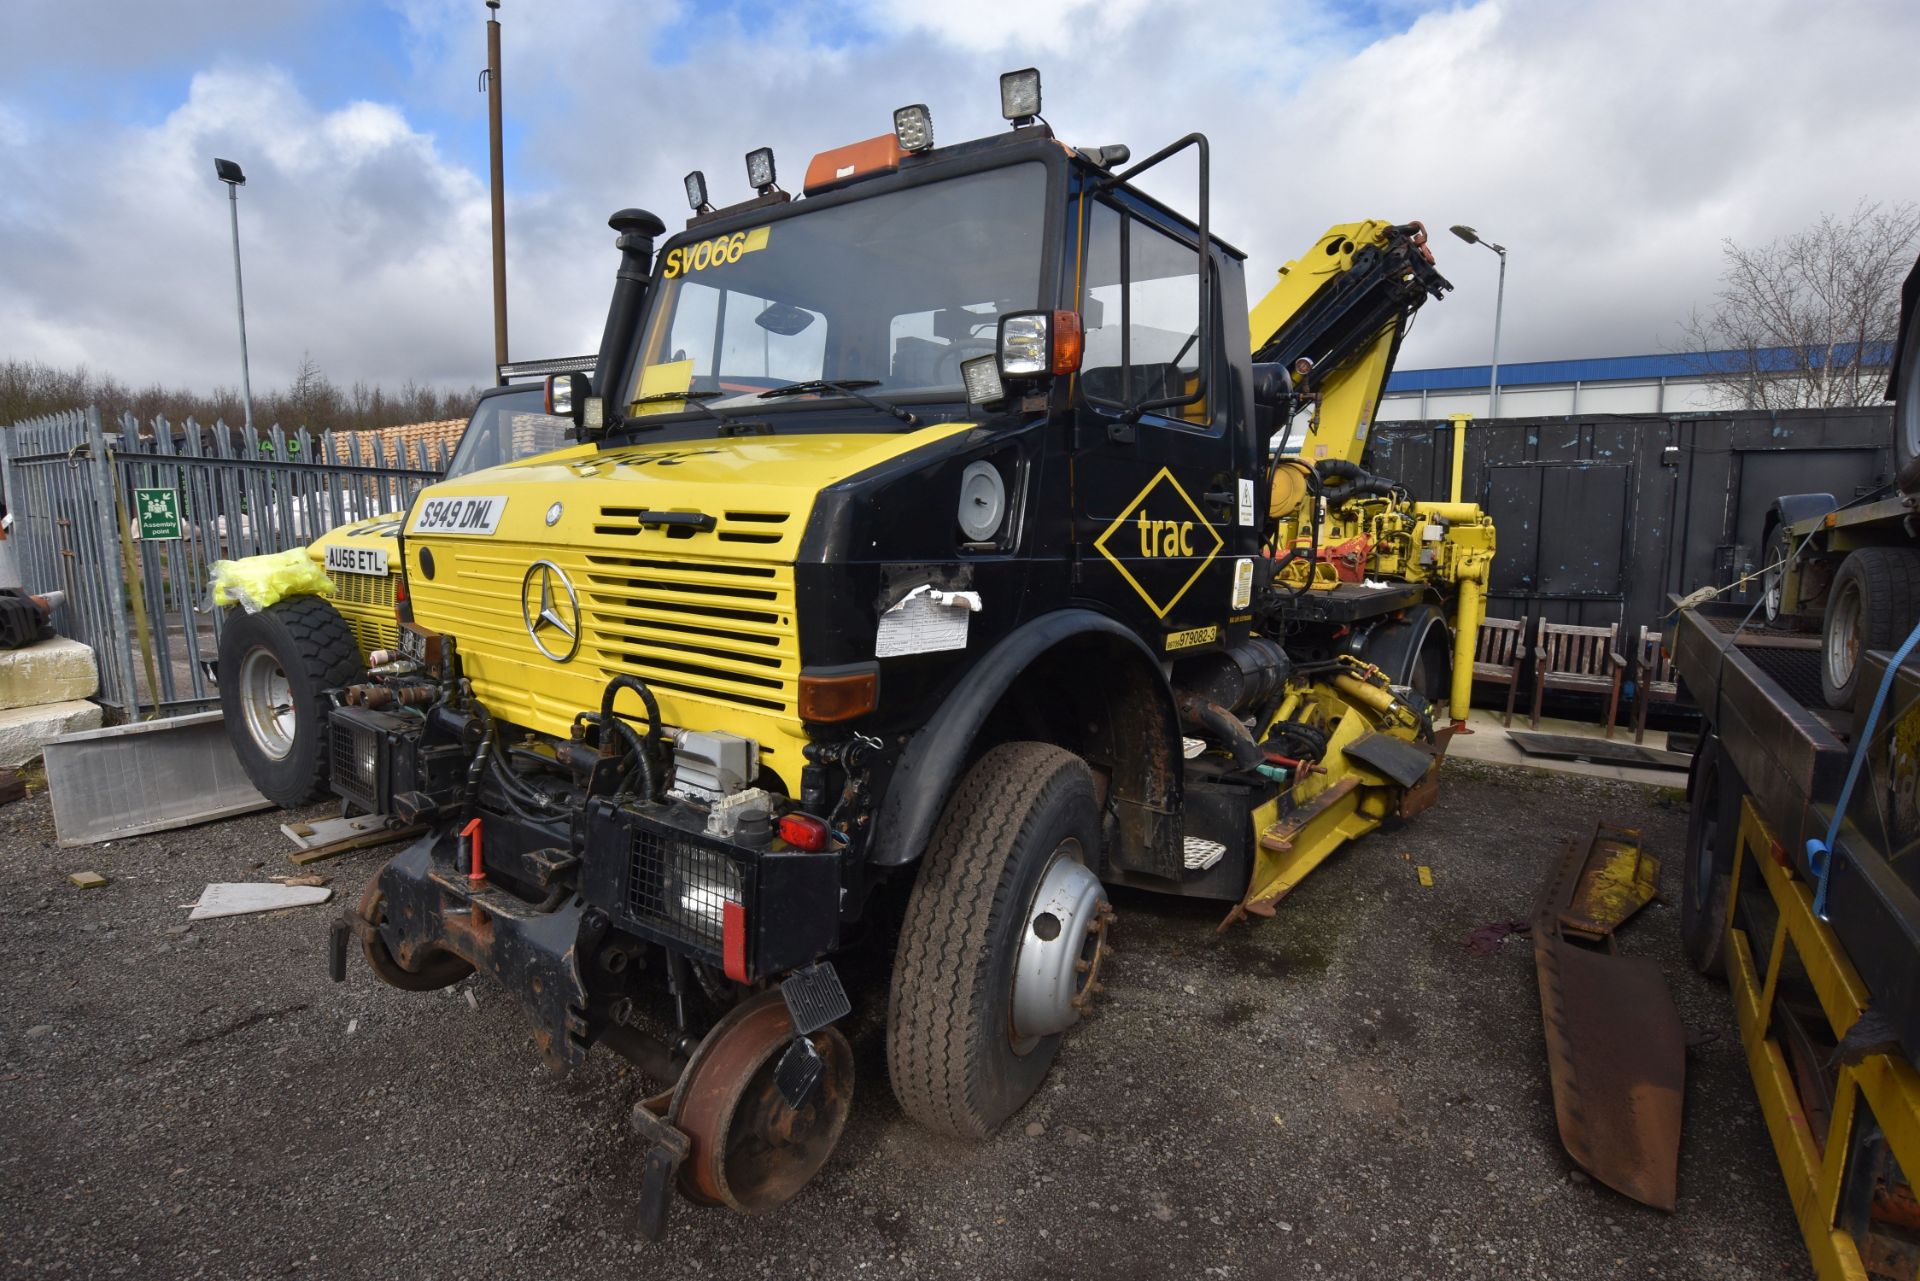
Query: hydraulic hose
pixel 653 749
pixel 1343 481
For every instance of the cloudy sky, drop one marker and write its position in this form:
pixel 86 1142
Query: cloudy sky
pixel 1610 144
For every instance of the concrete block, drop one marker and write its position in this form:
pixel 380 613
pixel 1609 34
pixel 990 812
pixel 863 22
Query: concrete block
pixel 55 670
pixel 25 730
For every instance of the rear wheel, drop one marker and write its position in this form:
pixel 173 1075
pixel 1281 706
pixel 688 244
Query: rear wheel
pixel 1713 818
pixel 275 669
pixel 1773 579
pixel 1873 604
pixel 1001 944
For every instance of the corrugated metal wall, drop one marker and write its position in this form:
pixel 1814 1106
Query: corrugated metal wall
pixel 1601 517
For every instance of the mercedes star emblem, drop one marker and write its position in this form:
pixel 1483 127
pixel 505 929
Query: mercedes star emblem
pixel 551 609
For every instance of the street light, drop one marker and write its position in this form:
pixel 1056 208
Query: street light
pixel 1473 237
pixel 229 172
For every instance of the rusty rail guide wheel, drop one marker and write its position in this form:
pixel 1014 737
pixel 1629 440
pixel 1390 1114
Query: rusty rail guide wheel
pixel 750 1150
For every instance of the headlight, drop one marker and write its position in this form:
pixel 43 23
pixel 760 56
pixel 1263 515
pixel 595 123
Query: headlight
pixel 1025 351
pixel 700 883
pixel 355 758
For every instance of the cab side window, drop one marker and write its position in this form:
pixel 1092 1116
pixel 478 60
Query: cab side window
pixel 1142 324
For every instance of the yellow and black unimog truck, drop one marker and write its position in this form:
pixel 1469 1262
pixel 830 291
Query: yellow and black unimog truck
pixel 929 560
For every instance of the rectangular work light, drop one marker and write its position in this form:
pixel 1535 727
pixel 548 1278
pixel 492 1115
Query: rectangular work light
pixel 697 191
pixel 760 169
pixel 1020 95
pixel 913 126
pixel 982 378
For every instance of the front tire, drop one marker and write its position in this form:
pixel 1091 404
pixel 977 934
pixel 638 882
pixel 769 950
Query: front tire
pixel 1873 604
pixel 275 669
pixel 1005 896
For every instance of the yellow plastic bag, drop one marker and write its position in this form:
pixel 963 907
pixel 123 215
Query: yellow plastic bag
pixel 258 581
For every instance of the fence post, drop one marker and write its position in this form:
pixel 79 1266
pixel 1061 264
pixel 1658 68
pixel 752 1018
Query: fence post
pixel 106 495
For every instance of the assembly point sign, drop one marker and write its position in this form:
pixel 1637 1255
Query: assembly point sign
pixel 159 512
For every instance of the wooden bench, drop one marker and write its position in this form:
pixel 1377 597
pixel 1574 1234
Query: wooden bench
pixel 1498 653
pixel 1653 679
pixel 1567 656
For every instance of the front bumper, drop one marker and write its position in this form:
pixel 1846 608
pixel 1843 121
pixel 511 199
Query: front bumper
pixel 597 875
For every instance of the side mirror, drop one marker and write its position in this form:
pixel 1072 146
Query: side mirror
pixel 571 396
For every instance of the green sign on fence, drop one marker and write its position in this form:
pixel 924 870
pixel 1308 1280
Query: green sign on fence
pixel 159 512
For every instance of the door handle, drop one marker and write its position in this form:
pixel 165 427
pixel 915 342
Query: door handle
pixel 688 520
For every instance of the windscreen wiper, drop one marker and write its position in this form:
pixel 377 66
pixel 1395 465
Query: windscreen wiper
pixel 849 387
pixel 695 399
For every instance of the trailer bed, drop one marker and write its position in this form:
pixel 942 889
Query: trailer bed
pixel 1760 691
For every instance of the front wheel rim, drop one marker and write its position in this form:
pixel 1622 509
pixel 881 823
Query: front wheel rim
pixel 1056 966
pixel 1843 638
pixel 266 703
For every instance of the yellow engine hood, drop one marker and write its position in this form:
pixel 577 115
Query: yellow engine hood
pixel 752 475
pixel 704 616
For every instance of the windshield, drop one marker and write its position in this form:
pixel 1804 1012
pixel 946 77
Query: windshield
pixel 899 289
pixel 508 428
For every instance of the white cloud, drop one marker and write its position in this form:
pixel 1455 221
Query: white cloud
pixel 354 236
pixel 1610 145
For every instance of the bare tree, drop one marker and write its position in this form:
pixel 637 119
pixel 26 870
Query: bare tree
pixel 1806 321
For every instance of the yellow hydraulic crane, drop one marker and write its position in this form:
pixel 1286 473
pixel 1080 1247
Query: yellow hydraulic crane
pixel 1331 327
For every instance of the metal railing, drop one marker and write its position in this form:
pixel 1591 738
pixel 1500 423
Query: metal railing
pixel 143 603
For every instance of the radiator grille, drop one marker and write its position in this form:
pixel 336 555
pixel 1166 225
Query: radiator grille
pixel 365 601
pixel 710 628
pixel 680 886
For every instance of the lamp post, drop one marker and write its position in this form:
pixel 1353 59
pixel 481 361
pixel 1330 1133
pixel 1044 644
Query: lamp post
pixel 492 79
pixel 229 172
pixel 1473 237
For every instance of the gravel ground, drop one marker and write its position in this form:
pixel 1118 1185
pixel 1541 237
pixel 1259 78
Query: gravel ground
pixel 1342 1091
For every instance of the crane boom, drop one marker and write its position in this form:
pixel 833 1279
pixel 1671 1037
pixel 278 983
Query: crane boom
pixel 1343 309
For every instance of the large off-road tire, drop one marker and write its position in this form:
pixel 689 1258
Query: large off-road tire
pixel 275 669
pixel 958 1061
pixel 1713 824
pixel 1873 604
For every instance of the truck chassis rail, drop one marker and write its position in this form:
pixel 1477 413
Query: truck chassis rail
pixel 1844 1162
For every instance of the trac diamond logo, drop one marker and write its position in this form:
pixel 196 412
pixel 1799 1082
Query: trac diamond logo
pixel 1161 543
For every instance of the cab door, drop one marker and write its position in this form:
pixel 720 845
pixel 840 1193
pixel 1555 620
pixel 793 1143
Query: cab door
pixel 1164 519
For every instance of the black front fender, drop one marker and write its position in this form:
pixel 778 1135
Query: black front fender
pixel 1149 777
